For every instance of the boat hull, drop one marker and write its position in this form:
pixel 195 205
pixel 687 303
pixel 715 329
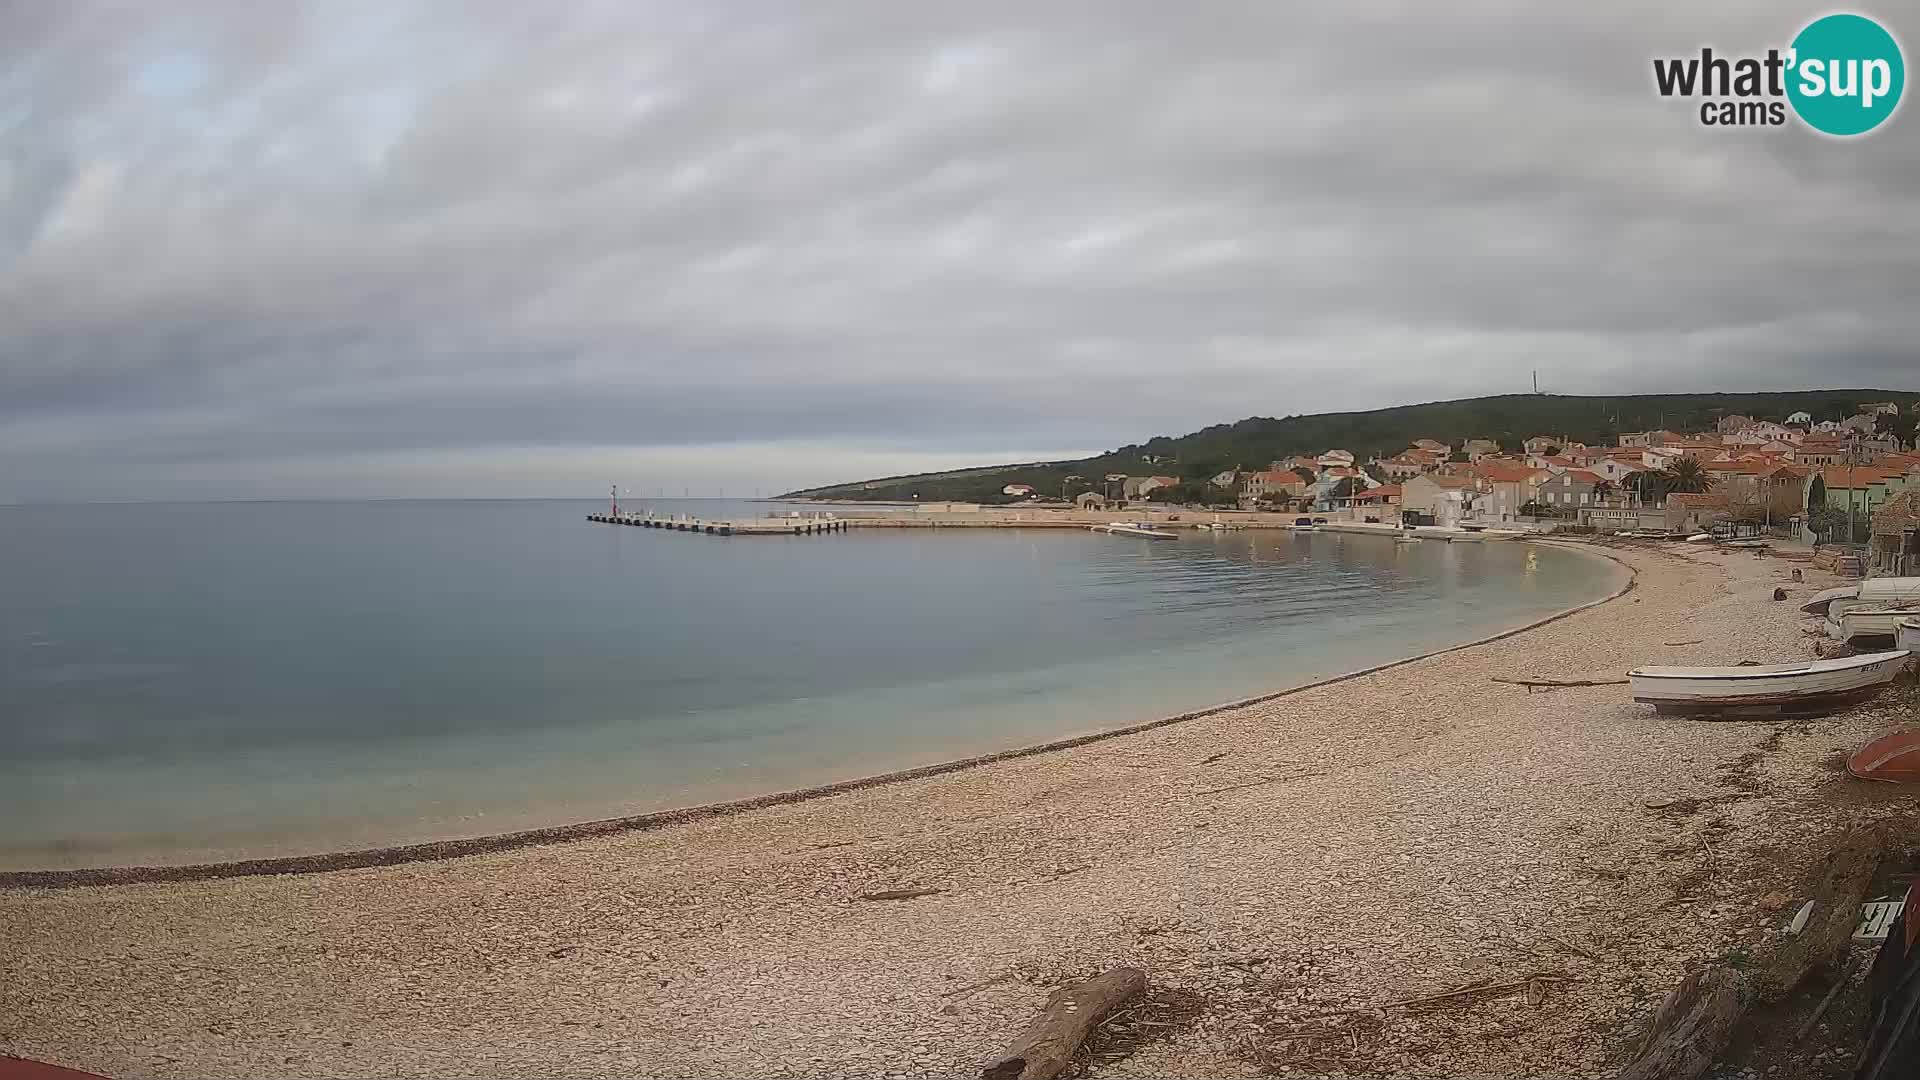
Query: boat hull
pixel 1891 758
pixel 1816 686
pixel 1120 528
pixel 1854 625
pixel 1907 636
pixel 1891 591
pixel 1820 602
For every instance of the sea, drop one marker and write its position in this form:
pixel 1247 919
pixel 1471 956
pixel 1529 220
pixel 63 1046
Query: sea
pixel 185 682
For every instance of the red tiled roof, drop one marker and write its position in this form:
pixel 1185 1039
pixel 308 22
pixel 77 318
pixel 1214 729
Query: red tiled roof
pixel 1506 474
pixel 1862 475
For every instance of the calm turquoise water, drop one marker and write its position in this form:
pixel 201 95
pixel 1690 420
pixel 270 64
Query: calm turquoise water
pixel 191 681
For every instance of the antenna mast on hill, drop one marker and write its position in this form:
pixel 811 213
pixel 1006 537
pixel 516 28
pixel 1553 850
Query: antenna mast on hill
pixel 1536 380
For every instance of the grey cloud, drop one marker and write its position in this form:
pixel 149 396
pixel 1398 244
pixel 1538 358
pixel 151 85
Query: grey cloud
pixel 238 240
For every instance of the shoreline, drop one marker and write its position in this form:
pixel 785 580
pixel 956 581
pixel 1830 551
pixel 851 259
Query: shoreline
pixel 444 850
pixel 1381 839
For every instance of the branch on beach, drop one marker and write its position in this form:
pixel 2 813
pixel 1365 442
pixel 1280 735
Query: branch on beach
pixel 1532 984
pixel 1695 642
pixel 901 894
pixel 1242 787
pixel 1558 684
pixel 1047 1047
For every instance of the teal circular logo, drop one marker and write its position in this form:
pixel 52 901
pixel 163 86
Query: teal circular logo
pixel 1846 74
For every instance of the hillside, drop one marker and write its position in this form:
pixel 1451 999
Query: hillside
pixel 1254 442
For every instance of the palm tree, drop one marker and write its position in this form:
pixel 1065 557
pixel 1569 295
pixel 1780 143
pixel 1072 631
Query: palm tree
pixel 1685 474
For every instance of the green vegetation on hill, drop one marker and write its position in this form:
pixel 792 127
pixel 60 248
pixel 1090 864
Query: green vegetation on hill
pixel 1257 441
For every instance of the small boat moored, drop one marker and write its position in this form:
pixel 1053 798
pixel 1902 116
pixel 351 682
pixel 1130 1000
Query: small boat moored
pixel 1134 528
pixel 1804 687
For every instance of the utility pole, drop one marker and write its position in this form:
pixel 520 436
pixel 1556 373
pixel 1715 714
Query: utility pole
pixel 1853 455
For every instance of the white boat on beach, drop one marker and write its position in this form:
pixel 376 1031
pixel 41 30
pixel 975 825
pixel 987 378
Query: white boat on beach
pixel 1858 623
pixel 1818 603
pixel 1886 592
pixel 1891 591
pixel 1809 685
pixel 1907 636
pixel 1134 528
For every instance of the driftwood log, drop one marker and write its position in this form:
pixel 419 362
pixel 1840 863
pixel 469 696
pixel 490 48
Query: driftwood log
pixel 901 894
pixel 1047 1047
pixel 1837 885
pixel 1556 684
pixel 1691 1027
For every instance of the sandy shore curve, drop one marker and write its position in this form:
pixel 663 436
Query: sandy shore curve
pixel 1393 833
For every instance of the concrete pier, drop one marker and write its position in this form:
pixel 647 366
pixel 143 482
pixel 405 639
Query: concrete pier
pixel 737 527
pixel 954 516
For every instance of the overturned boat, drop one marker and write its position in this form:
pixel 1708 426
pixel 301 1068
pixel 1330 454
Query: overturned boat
pixel 1819 602
pixel 1891 758
pixel 1810 686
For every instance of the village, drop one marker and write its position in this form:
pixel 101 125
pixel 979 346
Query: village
pixel 1794 479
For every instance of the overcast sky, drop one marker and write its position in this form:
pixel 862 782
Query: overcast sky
pixel 518 248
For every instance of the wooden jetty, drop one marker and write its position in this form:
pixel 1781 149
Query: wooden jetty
pixel 769 526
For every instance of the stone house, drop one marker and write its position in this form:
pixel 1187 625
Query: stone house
pixel 1895 544
pixel 1568 491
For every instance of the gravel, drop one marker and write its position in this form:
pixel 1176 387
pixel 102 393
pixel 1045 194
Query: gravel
pixel 1397 835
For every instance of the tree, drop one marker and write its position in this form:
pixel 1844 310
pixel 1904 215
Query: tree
pixel 1887 425
pixel 1192 493
pixel 1645 485
pixel 1305 473
pixel 1553 451
pixel 1602 489
pixel 1348 487
pixel 1459 457
pixel 1379 474
pixel 1685 474
pixel 1829 523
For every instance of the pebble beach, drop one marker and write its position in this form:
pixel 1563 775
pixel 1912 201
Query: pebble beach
pixel 1288 873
